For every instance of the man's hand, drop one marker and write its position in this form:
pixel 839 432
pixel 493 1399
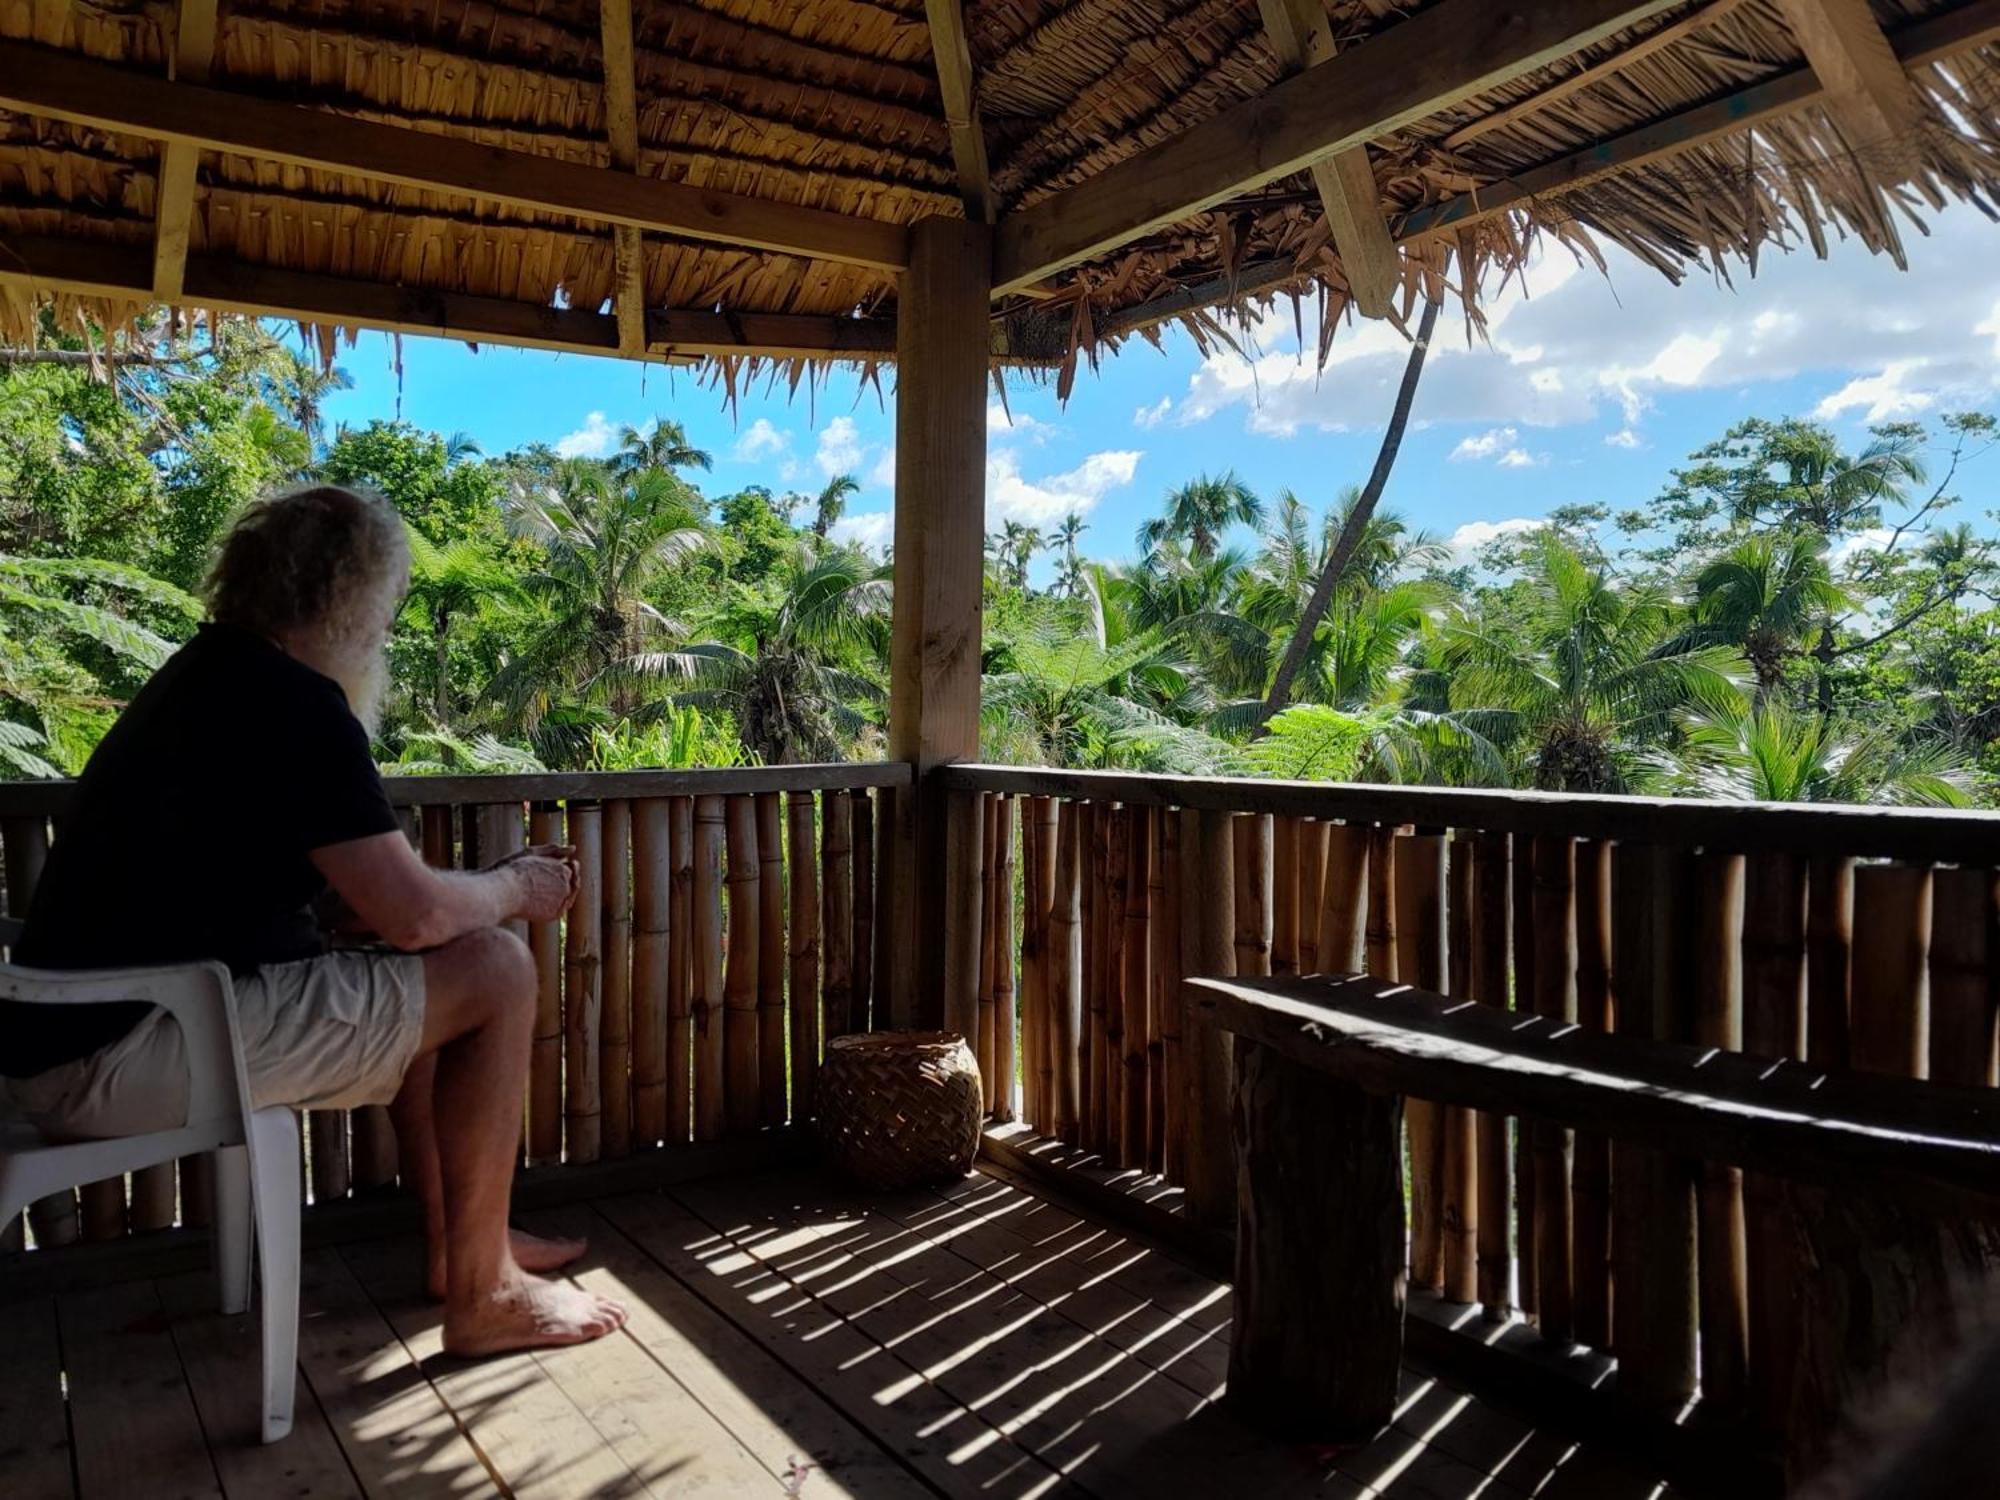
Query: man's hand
pixel 546 882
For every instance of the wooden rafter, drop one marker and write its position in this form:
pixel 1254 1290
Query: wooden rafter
pixel 953 52
pixel 1302 37
pixel 44 81
pixel 1915 45
pixel 173 190
pixel 100 268
pixel 1440 56
pixel 1866 87
pixel 621 124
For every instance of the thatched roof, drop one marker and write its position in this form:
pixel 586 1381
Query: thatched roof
pixel 1695 135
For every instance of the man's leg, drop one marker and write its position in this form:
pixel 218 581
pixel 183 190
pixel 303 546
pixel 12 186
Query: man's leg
pixel 415 1114
pixel 478 1021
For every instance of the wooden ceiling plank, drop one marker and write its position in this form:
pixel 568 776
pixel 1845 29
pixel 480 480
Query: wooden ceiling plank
pixel 1441 56
pixel 173 188
pixel 1866 87
pixel 64 85
pixel 1302 37
pixel 621 124
pixel 953 52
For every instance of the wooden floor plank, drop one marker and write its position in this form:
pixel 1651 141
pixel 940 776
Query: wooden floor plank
pixel 394 1429
pixel 534 1438
pixel 787 1425
pixel 223 1359
pixel 34 1429
pixel 134 1419
pixel 957 1452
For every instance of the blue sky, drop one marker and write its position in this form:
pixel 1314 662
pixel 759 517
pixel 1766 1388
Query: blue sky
pixel 1588 387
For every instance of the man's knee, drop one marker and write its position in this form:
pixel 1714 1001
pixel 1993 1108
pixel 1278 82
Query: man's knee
pixel 493 966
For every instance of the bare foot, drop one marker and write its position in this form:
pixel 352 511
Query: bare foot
pixel 531 1253
pixel 526 1312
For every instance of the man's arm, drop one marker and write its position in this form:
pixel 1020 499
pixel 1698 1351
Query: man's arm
pixel 411 906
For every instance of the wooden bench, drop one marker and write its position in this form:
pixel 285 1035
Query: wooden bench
pixel 1321 1066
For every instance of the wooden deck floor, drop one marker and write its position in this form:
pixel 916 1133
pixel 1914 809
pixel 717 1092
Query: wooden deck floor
pixel 788 1337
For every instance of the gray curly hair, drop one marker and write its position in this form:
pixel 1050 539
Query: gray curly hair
pixel 326 560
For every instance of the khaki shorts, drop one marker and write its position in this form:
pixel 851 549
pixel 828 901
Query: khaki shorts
pixel 332 1032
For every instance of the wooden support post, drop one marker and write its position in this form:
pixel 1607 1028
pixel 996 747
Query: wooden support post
pixel 1829 960
pixel 1208 951
pixel 615 1035
pixel 545 1052
pixel 864 1003
pixel 1005 1017
pixel 1590 1185
pixel 1521 924
pixel 989 853
pixel 681 951
pixel 1038 852
pixel 1285 895
pixel 963 857
pixel 1380 957
pixel 1110 1073
pixel 953 55
pixel 1312 885
pixel 1090 1042
pixel 805 950
pixel 1252 881
pixel 705 1001
pixel 1066 975
pixel 174 182
pixel 621 125
pixel 1137 958
pixel 942 352
pixel 1724 1269
pixel 1490 924
pixel 1343 899
pixel 652 915
pixel 771 959
pixel 1461 1142
pixel 1419 913
pixel 1163 988
pixel 1555 998
pixel 739 994
pixel 1316 1349
pixel 583 992
pixel 837 888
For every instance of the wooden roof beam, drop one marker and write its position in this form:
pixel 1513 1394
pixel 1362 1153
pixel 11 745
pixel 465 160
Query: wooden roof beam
pixel 1866 87
pixel 102 268
pixel 173 188
pixel 1439 57
pixel 46 81
pixel 1302 37
pixel 953 52
pixel 621 124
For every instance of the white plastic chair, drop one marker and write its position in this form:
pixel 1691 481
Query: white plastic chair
pixel 256 1153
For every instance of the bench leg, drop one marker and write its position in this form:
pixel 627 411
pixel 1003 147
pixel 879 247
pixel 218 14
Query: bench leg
pixel 1318 1342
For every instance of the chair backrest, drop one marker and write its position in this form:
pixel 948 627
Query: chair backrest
pixel 201 998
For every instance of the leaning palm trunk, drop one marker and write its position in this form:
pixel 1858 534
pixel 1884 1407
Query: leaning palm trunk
pixel 1354 528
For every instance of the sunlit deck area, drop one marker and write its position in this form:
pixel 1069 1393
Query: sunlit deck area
pixel 788 1336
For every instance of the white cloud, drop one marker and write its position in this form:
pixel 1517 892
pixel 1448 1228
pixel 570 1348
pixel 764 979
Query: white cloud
pixel 1624 437
pixel 1521 458
pixel 1010 496
pixel 840 449
pixel 1466 543
pixel 762 440
pixel 1885 396
pixel 594 439
pixel 1484 444
pixel 883 475
pixel 1872 540
pixel 1152 416
pixel 873 529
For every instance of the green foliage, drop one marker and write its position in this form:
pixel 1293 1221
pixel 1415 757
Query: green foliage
pixel 431 479
pixel 1311 742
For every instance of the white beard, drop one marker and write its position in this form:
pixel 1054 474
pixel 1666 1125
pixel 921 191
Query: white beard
pixel 364 677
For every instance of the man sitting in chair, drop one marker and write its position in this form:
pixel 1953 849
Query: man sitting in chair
pixel 232 792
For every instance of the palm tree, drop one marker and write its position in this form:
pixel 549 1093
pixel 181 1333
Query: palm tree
pixel 447 583
pixel 1070 532
pixel 1018 545
pixel 607 537
pixel 666 446
pixel 1769 752
pixel 1588 683
pixel 831 502
pixel 1199 511
pixel 793 669
pixel 1766 595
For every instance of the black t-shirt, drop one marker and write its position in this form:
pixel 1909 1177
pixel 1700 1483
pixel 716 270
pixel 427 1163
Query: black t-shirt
pixel 189 833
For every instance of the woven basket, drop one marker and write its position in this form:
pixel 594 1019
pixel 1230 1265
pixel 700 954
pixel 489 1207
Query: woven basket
pixel 900 1109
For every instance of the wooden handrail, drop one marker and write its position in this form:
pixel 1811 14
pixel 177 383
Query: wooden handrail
pixel 1939 835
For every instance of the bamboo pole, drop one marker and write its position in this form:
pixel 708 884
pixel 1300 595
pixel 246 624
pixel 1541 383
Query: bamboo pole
pixel 438 837
pixel 1962 994
pixel 1090 1045
pixel 864 963
pixel 1138 987
pixel 545 1052
pixel 1312 886
pixel 1066 950
pixel 1723 1276
pixel 1005 1014
pixel 1461 1144
pixel 1420 934
pixel 1521 920
pixel 1252 880
pixel 326 1154
pixel 1044 995
pixel 1491 924
pixel 652 913
pixel 837 910
pixel 1285 896
pixel 374 1144
pixel 805 950
pixel 1889 1001
pixel 1554 997
pixel 153 1195
pixel 962 913
pixel 1344 898
pixel 705 999
pixel 739 994
pixel 1032 978
pixel 615 1016
pixel 771 958
pixel 1164 981
pixel 583 991
pixel 102 1205
pixel 1829 959
pixel 1117 882
pixel 1381 877
pixel 1208 930
pixel 1590 1186
pixel 198 1190
pixel 681 953
pixel 986 1041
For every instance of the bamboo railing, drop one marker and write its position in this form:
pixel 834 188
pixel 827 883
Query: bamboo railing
pixel 712 947
pixel 1850 936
